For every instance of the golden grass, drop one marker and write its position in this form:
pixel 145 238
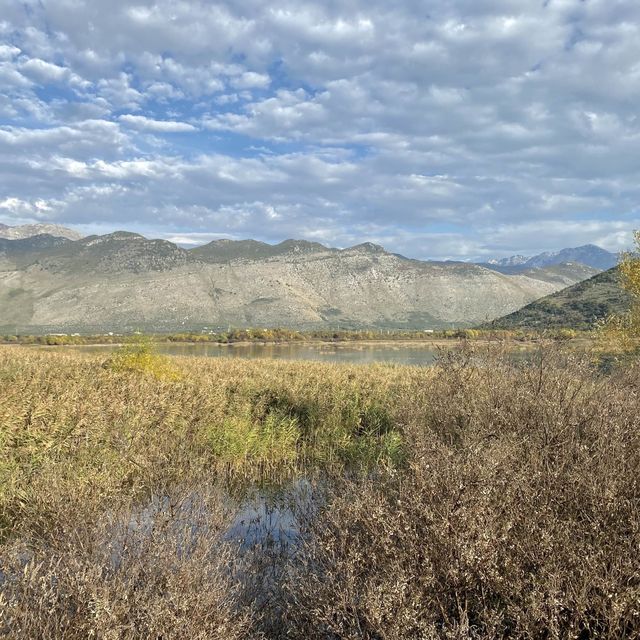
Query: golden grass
pixel 121 425
pixel 474 499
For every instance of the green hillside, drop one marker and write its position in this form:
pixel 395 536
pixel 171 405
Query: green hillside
pixel 579 306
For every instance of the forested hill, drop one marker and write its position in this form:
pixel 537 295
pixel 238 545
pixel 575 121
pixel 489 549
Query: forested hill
pixel 579 306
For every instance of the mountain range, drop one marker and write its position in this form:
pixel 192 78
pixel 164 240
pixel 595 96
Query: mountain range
pixel 123 281
pixel 589 254
pixel 29 230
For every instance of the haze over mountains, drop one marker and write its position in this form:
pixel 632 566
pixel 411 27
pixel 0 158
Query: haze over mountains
pixel 125 281
pixel 589 254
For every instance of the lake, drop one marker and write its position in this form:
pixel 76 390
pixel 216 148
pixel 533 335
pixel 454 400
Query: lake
pixel 421 354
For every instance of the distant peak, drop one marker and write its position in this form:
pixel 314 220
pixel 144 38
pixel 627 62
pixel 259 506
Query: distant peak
pixel 511 261
pixel 589 254
pixel 367 247
pixel 23 231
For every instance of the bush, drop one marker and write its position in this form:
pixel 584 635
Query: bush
pixel 139 355
pixel 518 516
pixel 157 572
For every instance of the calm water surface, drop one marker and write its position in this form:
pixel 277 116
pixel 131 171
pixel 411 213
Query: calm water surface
pixel 361 353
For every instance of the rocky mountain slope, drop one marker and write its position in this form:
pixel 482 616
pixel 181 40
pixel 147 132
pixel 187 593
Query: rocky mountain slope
pixel 123 280
pixel 589 254
pixel 580 306
pixel 29 230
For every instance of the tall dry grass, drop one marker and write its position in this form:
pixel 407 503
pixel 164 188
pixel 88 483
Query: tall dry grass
pixel 518 517
pixel 80 427
pixel 476 499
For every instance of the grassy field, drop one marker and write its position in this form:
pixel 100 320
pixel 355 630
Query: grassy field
pixel 473 499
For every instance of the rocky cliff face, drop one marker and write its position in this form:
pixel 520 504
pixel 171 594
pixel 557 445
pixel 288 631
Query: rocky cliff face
pixel 29 230
pixel 124 280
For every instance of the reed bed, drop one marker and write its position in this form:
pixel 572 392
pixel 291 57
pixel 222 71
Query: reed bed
pixel 478 498
pixel 122 426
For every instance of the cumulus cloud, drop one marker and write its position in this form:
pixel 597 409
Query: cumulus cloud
pixel 159 126
pixel 460 130
pixel 250 80
pixel 7 52
pixel 47 73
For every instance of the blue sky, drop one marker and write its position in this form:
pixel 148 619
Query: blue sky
pixel 449 129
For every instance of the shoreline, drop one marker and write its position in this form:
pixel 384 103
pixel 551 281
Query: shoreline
pixel 435 343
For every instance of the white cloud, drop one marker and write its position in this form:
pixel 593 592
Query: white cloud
pixel 10 77
pixel 442 129
pixel 157 126
pixel 18 209
pixel 7 52
pixel 81 139
pixel 251 80
pixel 45 71
pixel 119 93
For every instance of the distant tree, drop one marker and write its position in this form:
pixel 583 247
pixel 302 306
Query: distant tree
pixel 622 331
pixel 630 271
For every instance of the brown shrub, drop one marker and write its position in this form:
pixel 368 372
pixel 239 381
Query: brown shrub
pixel 514 511
pixel 518 518
pixel 162 571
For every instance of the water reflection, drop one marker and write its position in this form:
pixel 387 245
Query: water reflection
pixel 422 354
pixel 272 519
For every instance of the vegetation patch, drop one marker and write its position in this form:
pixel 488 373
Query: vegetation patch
pixel 479 498
pixel 139 356
pixel 580 307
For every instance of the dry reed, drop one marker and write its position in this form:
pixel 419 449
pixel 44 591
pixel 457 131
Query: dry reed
pixel 475 499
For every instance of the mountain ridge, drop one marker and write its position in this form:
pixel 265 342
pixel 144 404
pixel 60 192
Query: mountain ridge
pixel 579 306
pixel 24 231
pixel 589 254
pixel 126 280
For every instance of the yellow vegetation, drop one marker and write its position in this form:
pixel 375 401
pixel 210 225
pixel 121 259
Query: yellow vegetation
pixel 139 355
pixel 620 333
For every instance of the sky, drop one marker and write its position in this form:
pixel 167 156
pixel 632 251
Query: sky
pixel 462 129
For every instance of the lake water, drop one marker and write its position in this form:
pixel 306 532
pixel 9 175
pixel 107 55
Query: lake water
pixel 422 354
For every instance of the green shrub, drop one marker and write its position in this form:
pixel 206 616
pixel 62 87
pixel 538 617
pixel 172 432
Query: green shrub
pixel 139 355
